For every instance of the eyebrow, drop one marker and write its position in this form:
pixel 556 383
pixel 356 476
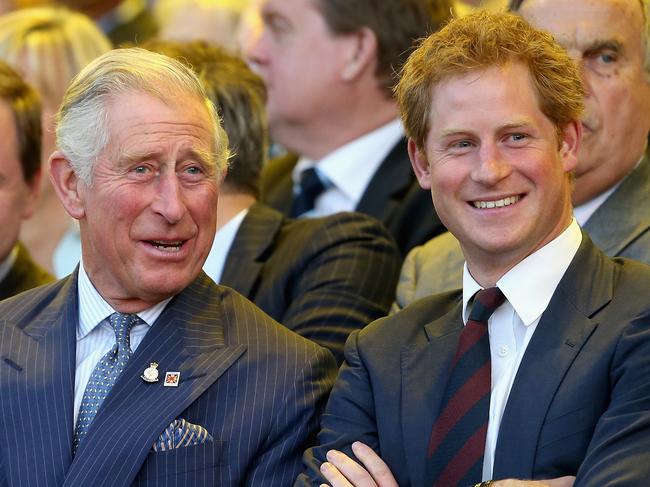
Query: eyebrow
pixel 515 124
pixel 604 45
pixel 203 157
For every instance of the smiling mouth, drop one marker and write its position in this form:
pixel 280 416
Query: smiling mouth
pixel 510 200
pixel 167 246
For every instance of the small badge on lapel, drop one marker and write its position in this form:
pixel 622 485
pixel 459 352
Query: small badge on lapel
pixel 172 379
pixel 150 373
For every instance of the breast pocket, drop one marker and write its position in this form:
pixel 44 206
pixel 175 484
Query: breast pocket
pixel 197 465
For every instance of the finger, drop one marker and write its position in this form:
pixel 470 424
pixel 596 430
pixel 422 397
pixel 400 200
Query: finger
pixel 353 472
pixel 333 476
pixel 561 482
pixel 374 464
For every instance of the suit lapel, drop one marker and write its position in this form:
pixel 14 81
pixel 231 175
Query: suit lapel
pixel 424 369
pixel 189 337
pixel 38 389
pixel 625 214
pixel 564 328
pixel 252 242
pixel 387 187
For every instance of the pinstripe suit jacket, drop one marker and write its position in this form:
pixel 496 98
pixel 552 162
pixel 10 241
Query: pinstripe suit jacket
pixel 320 277
pixel 24 274
pixel 254 385
pixel 393 196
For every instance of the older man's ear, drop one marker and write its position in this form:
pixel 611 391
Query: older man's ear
pixel 66 184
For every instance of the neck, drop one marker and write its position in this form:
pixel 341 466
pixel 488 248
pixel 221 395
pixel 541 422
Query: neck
pixel 231 202
pixel 488 267
pixel 323 135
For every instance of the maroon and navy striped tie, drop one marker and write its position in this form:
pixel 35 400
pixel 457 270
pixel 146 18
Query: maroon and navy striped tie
pixel 455 455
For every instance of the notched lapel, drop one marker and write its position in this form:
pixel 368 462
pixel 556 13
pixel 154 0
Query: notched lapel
pixel 424 369
pixel 564 328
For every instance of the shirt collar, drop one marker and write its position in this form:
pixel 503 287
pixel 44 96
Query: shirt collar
pixel 529 285
pixel 350 167
pixel 93 308
pixel 8 263
pixel 223 240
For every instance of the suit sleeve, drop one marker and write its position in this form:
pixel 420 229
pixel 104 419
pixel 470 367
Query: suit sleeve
pixel 620 446
pixel 296 426
pixel 349 416
pixel 347 281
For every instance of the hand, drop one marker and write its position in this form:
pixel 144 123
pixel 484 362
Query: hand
pixel 558 482
pixel 341 471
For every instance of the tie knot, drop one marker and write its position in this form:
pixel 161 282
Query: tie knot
pixel 122 324
pixel 486 301
pixel 311 184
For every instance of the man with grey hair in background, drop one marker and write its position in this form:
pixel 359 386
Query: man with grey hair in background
pixel 608 39
pixel 137 369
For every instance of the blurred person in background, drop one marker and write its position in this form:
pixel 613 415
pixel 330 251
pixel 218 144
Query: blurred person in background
pixel 123 21
pixel 48 46
pixel 215 21
pixel 329 67
pixel 20 173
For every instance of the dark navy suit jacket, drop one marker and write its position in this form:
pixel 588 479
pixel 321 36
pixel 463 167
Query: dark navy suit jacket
pixel 579 404
pixel 254 385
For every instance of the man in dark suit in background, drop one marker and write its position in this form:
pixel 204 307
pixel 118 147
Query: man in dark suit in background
pixel 20 173
pixel 329 68
pixel 539 368
pixel 608 39
pixel 137 369
pixel 321 277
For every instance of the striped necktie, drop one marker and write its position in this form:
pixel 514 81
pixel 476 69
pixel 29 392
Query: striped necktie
pixel 105 374
pixel 455 454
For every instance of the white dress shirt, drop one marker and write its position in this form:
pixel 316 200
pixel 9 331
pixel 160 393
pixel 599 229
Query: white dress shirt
pixel 221 244
pixel 95 336
pixel 8 263
pixel 347 171
pixel 528 288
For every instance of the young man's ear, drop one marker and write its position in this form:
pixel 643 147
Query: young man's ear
pixel 570 145
pixel 420 165
pixel 66 184
pixel 360 54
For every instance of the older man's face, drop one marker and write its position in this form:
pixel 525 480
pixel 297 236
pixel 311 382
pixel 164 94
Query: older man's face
pixel 605 38
pixel 17 197
pixel 149 216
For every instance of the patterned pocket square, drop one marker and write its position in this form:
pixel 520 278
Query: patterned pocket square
pixel 181 433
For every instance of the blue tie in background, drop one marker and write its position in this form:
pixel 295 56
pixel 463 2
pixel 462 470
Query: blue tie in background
pixel 104 375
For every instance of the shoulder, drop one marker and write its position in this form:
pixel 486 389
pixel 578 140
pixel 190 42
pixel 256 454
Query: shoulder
pixel 26 306
pixel 407 327
pixel 244 323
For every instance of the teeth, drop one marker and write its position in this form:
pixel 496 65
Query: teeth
pixel 497 203
pixel 167 246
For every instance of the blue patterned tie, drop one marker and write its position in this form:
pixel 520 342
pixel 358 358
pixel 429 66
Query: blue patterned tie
pixel 106 372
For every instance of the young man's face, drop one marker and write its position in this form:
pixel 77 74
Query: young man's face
pixel 498 179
